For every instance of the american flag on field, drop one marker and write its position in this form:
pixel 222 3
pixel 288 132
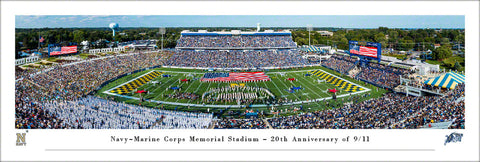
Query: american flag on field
pixel 240 77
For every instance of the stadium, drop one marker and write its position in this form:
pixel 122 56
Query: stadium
pixel 239 80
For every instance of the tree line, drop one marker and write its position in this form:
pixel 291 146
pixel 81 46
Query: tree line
pixel 397 39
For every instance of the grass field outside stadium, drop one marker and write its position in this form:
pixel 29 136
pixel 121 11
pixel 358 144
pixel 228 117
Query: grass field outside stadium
pixel 310 90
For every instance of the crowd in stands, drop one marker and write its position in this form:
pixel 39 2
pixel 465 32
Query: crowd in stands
pixel 74 81
pixel 313 59
pixel 29 113
pixel 450 107
pixel 96 113
pixel 235 41
pixel 379 74
pixel 236 58
pixel 383 75
pixel 389 111
pixel 340 63
pixel 23 73
pixel 240 124
pixel 184 120
pixel 380 77
pixel 69 82
pixel 390 68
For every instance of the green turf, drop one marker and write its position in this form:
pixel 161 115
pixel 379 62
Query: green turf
pixel 277 85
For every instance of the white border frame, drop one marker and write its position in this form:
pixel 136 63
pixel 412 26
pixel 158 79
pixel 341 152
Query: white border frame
pixel 391 141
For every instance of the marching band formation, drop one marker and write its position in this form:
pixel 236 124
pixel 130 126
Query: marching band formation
pixel 237 94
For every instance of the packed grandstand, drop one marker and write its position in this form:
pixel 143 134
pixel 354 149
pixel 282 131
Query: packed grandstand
pixel 62 96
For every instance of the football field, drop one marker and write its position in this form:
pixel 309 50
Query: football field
pixel 311 85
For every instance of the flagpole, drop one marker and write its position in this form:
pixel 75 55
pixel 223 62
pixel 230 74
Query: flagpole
pixel 38 50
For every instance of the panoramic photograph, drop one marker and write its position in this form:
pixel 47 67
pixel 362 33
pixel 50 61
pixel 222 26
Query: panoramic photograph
pixel 239 72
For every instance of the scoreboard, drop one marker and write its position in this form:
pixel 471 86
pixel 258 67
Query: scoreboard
pixel 55 49
pixel 366 49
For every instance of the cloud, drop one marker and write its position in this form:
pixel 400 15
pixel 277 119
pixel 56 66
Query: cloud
pixel 93 17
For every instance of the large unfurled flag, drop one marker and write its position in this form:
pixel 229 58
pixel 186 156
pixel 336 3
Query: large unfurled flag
pixel 41 39
pixel 368 51
pixel 364 51
pixel 241 77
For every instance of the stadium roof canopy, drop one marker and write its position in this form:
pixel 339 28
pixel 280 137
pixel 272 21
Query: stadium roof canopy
pixel 313 49
pixel 447 80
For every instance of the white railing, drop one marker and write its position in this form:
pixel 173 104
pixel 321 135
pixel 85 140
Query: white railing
pixel 94 51
pixel 26 60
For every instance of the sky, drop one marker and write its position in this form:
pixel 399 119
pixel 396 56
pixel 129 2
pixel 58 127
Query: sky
pixel 341 21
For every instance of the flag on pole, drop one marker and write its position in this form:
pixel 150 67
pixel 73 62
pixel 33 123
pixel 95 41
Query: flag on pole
pixel 41 39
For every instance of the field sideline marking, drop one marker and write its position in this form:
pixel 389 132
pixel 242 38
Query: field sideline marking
pixel 182 72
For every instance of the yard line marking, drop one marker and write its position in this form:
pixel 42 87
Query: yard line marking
pixel 277 87
pixel 287 87
pixel 191 83
pixel 313 92
pixel 196 90
pixel 161 94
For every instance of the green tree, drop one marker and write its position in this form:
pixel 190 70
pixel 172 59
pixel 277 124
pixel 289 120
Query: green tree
pixel 301 41
pixel 445 41
pixel 441 53
pixel 457 66
pixel 78 36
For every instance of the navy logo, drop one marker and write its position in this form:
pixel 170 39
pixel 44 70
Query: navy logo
pixel 453 137
pixel 21 139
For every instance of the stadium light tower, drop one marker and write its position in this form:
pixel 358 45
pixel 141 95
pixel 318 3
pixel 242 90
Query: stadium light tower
pixel 162 31
pixel 309 28
pixel 114 27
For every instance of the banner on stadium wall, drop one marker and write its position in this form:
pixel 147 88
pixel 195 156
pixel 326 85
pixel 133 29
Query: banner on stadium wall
pixel 370 49
pixel 57 50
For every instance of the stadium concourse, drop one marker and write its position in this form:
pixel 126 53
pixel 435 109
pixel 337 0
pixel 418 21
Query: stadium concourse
pixel 58 96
